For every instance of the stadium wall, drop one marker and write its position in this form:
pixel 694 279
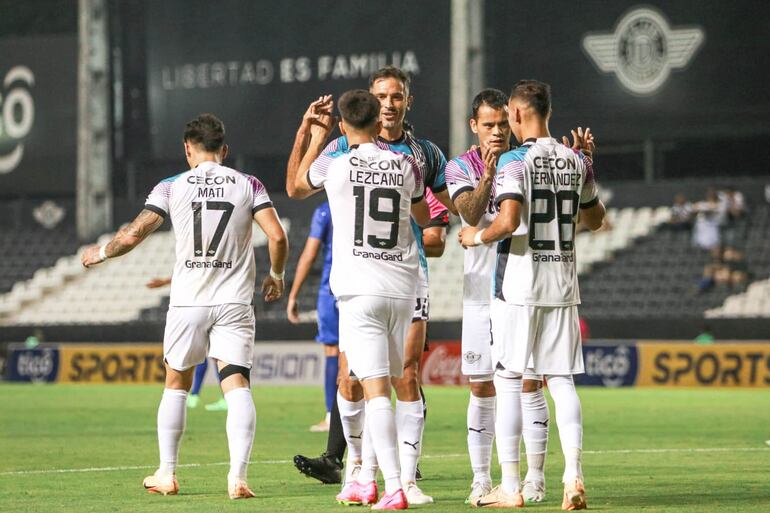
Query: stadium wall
pixel 613 329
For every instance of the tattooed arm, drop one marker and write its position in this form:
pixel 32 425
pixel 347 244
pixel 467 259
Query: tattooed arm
pixel 127 238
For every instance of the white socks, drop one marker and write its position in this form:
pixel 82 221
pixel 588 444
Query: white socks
pixel 410 422
pixel 381 424
pixel 172 414
pixel 241 423
pixel 352 417
pixel 570 422
pixel 534 412
pixel 368 471
pixel 508 431
pixel 481 433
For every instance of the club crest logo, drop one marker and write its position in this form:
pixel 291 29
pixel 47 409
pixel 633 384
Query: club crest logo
pixel 643 50
pixel 17 113
pixel 471 357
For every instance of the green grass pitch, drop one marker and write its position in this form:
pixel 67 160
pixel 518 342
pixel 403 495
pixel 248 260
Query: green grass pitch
pixel 684 450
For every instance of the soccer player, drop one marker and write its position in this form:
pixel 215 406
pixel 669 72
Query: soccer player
pixel 391 86
pixel 541 186
pixel 471 181
pixel 371 193
pixel 211 209
pixel 320 239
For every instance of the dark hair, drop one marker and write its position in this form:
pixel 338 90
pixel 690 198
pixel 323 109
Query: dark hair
pixel 390 72
pixel 359 108
pixel 537 94
pixel 494 98
pixel 206 130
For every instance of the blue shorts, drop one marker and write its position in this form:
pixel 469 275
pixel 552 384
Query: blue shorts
pixel 328 320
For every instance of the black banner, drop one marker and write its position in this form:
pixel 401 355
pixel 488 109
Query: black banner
pixel 257 65
pixel 38 115
pixel 636 70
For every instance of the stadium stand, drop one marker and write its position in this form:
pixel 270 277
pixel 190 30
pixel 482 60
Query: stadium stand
pixel 22 252
pixel 658 277
pixel 67 294
pixel 628 224
pixel 755 302
pixel 625 273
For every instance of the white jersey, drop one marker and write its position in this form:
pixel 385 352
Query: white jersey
pixel 463 174
pixel 211 209
pixel 551 181
pixel 370 191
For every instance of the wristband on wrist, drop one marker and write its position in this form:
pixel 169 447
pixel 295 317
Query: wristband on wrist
pixel 277 276
pixel 103 253
pixel 477 238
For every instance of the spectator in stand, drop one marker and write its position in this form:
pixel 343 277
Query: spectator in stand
pixel 681 214
pixel 709 217
pixel 734 205
pixel 729 270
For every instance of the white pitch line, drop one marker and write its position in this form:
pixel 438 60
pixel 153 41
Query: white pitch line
pixel 426 456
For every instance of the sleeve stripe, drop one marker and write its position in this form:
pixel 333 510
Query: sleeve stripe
pixel 157 210
pixel 462 190
pixel 590 203
pixel 267 204
pixel 310 182
pixel 509 196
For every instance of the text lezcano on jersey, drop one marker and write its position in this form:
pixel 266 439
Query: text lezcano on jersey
pixel 552 182
pixel 463 174
pixel 370 193
pixel 211 209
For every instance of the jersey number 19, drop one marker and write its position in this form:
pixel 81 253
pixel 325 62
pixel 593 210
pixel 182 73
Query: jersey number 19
pixel 392 216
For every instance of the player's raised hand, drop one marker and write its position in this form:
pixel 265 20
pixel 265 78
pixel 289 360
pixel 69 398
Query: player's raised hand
pixel 313 111
pixel 272 289
pixel 91 256
pixel 582 140
pixel 292 310
pixel 323 121
pixel 490 161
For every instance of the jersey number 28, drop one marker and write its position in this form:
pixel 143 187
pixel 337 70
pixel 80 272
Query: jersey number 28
pixel 554 208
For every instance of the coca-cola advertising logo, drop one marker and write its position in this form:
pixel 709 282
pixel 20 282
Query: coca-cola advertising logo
pixel 442 365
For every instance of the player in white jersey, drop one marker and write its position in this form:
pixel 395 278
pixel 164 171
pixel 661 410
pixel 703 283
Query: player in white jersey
pixel 391 86
pixel 371 193
pixel 211 208
pixel 541 187
pixel 471 181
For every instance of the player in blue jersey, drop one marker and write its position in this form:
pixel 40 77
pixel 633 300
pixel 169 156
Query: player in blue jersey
pixel 391 86
pixel 320 239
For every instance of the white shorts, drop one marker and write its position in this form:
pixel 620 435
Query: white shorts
pixel 372 334
pixel 224 332
pixel 476 341
pixel 536 339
